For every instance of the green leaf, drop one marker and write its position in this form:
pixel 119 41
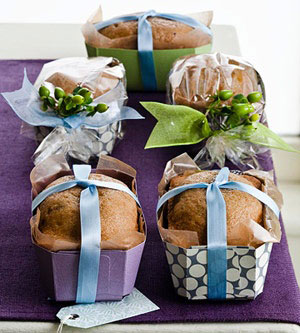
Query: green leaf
pixel 88 100
pixel 91 114
pixel 233 120
pixel 44 106
pixel 60 101
pixel 76 90
pixel 51 101
pixel 90 108
pixel 177 125
pixel 69 106
pixel 265 137
pixel 68 99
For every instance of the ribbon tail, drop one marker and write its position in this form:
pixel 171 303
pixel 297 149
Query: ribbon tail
pixel 26 103
pixel 88 270
pixel 216 243
pixel 114 114
pixel 145 52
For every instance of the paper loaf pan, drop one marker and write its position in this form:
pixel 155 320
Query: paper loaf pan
pixel 163 61
pixel 246 270
pixel 117 273
pixel 118 266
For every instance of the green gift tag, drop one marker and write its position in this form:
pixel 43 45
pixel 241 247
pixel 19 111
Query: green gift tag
pixel 181 125
pixel 265 137
pixel 177 125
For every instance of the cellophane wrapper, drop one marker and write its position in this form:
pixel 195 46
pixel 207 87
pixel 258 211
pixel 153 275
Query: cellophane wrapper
pixel 257 234
pixel 55 167
pixel 105 78
pixel 195 38
pixel 193 79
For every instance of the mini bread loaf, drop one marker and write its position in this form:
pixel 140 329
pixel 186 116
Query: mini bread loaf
pixel 165 34
pixel 188 210
pixel 60 212
pixel 196 77
pixel 99 75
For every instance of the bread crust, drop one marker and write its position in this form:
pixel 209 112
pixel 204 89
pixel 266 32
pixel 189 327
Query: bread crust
pixel 188 210
pixel 164 33
pixel 60 212
pixel 200 76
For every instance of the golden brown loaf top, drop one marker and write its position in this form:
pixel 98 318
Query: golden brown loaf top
pixel 199 76
pixel 187 211
pixel 60 213
pixel 164 32
pixel 99 74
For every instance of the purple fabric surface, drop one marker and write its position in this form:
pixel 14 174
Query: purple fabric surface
pixel 21 296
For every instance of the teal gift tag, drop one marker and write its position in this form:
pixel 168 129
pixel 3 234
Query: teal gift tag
pixel 100 313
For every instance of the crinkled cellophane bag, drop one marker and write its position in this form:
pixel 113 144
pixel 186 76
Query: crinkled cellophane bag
pixel 105 77
pixel 193 79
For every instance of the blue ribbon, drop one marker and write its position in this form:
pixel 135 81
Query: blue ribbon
pixel 90 220
pixel 216 225
pixel 27 105
pixel 145 41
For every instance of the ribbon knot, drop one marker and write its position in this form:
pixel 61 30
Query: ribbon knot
pixel 222 177
pixel 81 172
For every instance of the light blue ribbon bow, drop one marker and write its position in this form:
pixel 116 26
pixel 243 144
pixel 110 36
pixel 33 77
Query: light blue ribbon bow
pixel 145 41
pixel 27 105
pixel 216 225
pixel 90 220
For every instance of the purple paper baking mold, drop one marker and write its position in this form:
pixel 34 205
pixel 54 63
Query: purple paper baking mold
pixel 117 273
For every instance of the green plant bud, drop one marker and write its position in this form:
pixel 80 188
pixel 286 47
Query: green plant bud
pixel 225 94
pixel 241 109
pixel 241 99
pixel 238 97
pixel 248 131
pixel 254 117
pixel 251 107
pixel 83 92
pixel 88 97
pixel 101 107
pixel 254 97
pixel 59 93
pixel 77 99
pixel 44 91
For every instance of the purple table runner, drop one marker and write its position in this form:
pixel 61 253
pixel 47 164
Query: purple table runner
pixel 21 296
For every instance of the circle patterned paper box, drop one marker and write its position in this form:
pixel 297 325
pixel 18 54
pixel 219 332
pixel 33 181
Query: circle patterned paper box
pixel 246 270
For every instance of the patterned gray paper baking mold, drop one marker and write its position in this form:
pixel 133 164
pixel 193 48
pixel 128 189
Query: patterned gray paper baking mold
pixel 246 270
